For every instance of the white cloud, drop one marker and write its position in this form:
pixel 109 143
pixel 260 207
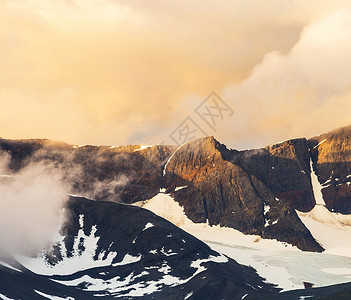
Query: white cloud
pixel 301 93
pixel 31 207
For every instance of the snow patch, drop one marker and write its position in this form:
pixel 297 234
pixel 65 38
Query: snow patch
pixel 116 285
pixel 329 230
pixel 9 266
pixel 321 214
pixel 52 297
pixel 165 269
pixel 170 158
pixel 98 284
pixel 320 143
pixel 168 253
pixel 317 187
pixel 148 225
pixel 200 268
pixel 3 297
pixel 142 148
pixel 128 259
pixel 165 206
pixel 80 260
pixel 180 188
pixel 265 212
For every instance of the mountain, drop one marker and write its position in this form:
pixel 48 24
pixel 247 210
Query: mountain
pixel 255 191
pixel 293 194
pixel 112 250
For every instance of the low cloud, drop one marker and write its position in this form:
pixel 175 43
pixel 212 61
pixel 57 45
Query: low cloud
pixel 31 207
pixel 302 93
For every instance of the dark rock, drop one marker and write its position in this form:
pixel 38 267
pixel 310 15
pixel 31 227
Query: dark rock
pixel 308 285
pixel 285 169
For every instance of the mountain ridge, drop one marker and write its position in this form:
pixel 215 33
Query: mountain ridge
pixel 254 191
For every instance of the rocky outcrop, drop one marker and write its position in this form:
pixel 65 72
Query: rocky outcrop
pixel 285 169
pixel 331 155
pixel 221 192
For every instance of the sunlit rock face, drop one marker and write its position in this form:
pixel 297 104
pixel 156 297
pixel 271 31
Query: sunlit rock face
pixel 331 155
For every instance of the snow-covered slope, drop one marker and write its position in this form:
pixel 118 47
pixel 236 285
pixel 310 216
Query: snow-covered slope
pixel 164 206
pixel 278 262
pixel 331 230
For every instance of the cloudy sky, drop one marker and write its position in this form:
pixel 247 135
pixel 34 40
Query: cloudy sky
pixel 120 72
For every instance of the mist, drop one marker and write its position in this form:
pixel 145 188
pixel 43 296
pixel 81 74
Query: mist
pixel 31 207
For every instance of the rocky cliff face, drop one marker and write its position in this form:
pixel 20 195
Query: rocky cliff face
pixel 219 191
pixel 254 191
pixel 285 169
pixel 331 155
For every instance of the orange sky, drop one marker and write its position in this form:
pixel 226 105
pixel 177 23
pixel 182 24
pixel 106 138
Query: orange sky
pixel 120 72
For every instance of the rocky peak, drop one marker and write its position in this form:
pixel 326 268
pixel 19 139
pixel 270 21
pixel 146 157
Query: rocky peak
pixel 196 158
pixel 223 187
